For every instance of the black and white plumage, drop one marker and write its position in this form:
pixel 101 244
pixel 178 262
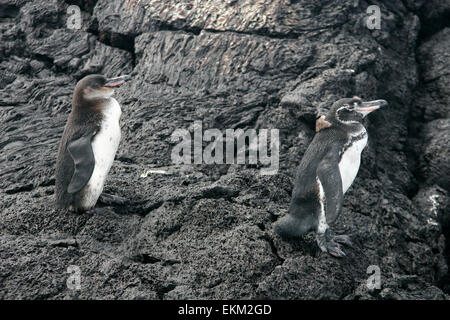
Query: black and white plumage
pixel 89 143
pixel 328 168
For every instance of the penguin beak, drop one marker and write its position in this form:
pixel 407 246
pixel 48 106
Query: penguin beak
pixel 117 81
pixel 369 106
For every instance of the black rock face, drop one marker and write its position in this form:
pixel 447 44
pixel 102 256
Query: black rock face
pixel 205 231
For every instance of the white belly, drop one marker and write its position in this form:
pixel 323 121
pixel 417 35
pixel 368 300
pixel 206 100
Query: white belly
pixel 349 164
pixel 104 146
pixel 322 225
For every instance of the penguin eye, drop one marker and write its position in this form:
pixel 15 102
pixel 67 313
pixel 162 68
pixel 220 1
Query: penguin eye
pixel 351 107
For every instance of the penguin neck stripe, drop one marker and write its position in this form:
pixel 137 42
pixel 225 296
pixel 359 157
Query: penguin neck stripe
pixel 353 139
pixel 349 121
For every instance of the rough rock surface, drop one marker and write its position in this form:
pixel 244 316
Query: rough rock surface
pixel 205 231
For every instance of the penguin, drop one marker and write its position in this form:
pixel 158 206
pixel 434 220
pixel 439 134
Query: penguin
pixel 326 171
pixel 88 145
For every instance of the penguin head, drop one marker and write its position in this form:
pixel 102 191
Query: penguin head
pixel 96 87
pixel 352 110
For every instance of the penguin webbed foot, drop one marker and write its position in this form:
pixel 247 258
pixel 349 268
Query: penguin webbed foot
pixel 331 244
pixel 110 199
pixel 343 239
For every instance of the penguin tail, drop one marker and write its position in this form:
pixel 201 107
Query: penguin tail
pixel 289 227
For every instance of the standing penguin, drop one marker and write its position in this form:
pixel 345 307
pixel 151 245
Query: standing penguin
pixel 327 170
pixel 89 143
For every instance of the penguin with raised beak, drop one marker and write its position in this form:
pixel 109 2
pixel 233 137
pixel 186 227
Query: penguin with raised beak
pixel 89 144
pixel 328 168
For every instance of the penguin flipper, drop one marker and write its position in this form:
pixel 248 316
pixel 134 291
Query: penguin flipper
pixel 84 162
pixel 330 178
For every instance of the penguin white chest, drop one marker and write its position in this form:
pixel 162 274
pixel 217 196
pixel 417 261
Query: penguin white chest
pixel 104 147
pixel 350 161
